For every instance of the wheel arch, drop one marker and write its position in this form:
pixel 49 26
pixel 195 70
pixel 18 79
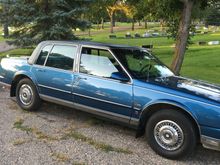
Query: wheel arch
pixel 150 109
pixel 16 79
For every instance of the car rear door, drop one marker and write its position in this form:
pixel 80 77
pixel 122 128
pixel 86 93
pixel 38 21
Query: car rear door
pixel 54 71
pixel 97 88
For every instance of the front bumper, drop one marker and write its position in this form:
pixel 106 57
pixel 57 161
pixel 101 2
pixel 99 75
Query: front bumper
pixel 210 143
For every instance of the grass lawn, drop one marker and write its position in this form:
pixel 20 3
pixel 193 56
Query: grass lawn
pixel 18 52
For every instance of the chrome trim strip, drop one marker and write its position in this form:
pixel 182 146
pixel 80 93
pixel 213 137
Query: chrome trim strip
pixel 7 86
pixel 110 102
pixel 56 100
pixel 135 108
pixel 45 61
pixel 210 143
pixel 134 121
pixel 121 118
pixel 54 69
pixel 109 115
pixel 103 78
pixel 60 90
pixel 178 96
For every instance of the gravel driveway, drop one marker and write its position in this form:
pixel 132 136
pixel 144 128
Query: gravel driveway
pixel 58 135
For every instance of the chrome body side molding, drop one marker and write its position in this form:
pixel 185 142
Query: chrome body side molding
pixel 114 116
pixel 210 143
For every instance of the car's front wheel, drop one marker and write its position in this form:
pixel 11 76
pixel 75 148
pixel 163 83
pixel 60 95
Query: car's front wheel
pixel 171 134
pixel 27 96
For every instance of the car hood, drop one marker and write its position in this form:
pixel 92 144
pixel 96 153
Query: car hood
pixel 198 88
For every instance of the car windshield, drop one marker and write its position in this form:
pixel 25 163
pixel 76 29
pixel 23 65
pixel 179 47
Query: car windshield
pixel 141 64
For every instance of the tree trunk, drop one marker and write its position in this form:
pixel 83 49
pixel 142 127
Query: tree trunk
pixel 132 26
pixel 182 36
pixel 139 23
pixel 113 20
pixel 5 30
pixel 98 26
pixel 102 22
pixel 111 23
pixel 145 24
pixel 89 32
pixel 161 25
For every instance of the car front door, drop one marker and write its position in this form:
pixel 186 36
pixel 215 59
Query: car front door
pixel 102 85
pixel 54 71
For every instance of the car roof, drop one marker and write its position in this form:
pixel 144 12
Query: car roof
pixel 91 43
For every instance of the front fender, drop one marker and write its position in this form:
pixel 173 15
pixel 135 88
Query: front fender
pixel 169 102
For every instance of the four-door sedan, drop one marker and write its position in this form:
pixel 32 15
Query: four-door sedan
pixel 122 83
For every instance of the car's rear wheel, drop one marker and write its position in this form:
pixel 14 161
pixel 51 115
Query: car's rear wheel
pixel 27 96
pixel 171 134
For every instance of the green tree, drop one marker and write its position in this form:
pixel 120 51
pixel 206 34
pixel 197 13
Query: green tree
pixel 113 6
pixel 97 12
pixel 38 20
pixel 140 10
pixel 178 15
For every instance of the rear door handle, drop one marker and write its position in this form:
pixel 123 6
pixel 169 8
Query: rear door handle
pixel 40 70
pixel 81 78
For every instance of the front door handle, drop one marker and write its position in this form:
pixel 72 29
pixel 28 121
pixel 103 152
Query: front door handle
pixel 76 82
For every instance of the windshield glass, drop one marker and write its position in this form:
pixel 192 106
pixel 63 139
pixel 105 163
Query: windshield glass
pixel 141 64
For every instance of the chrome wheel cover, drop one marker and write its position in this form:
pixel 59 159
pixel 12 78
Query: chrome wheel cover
pixel 168 135
pixel 26 94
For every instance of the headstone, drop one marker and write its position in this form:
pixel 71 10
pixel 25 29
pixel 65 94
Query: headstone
pixel 112 36
pixel 213 43
pixel 201 43
pixel 150 46
pixel 155 34
pixel 146 35
pixel 137 35
pixel 128 35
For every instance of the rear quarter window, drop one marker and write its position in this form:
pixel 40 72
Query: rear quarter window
pixel 43 55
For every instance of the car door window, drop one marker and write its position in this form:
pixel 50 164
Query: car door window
pixel 62 57
pixel 100 63
pixel 43 55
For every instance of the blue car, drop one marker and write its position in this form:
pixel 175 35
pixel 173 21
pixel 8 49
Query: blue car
pixel 121 83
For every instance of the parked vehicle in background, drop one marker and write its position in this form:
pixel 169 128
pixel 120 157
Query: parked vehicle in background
pixel 122 83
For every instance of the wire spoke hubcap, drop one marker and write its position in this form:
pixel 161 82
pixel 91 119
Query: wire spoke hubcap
pixel 25 94
pixel 168 135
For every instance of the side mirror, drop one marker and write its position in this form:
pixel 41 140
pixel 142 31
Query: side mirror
pixel 120 76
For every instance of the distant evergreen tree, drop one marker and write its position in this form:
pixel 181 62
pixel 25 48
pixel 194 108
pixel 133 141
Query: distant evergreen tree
pixel 38 20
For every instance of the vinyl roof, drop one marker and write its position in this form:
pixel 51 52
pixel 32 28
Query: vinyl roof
pixel 90 43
